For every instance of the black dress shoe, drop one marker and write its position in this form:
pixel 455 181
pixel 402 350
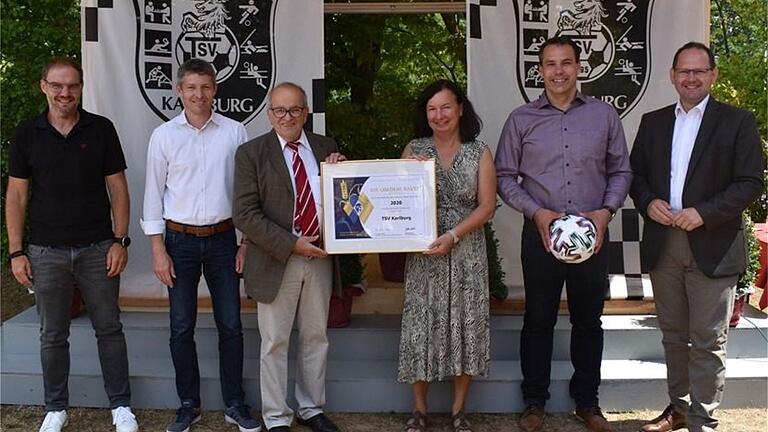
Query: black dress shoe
pixel 280 429
pixel 319 423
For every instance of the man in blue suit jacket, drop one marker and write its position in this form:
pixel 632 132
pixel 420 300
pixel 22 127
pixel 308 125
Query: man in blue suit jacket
pixel 697 165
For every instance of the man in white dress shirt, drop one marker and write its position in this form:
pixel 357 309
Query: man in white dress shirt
pixel 188 217
pixel 697 165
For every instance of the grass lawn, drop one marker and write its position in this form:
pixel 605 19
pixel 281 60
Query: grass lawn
pixel 25 418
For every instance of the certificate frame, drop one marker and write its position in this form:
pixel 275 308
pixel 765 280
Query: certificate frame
pixel 371 206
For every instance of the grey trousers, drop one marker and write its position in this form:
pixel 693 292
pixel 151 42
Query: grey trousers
pixel 55 272
pixel 303 298
pixel 693 312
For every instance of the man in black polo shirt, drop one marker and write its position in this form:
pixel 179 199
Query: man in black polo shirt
pixel 73 163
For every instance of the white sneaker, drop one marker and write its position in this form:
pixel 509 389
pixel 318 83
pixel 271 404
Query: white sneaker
pixel 124 420
pixel 54 421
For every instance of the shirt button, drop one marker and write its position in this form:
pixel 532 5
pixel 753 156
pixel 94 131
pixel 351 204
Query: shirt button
pixel 569 201
pixel 565 129
pixel 567 182
pixel 567 164
pixel 566 146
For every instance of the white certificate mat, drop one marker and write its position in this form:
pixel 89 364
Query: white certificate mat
pixel 379 206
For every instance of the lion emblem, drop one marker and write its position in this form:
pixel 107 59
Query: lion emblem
pixel 588 14
pixel 209 20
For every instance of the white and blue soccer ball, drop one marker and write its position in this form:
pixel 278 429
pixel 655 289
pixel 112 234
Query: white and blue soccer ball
pixel 572 238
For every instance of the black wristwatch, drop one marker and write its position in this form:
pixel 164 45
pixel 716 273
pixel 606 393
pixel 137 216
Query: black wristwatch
pixel 122 241
pixel 611 211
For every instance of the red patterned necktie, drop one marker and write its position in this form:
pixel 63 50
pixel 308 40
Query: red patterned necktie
pixel 305 220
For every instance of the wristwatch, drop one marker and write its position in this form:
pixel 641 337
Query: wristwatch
pixel 122 241
pixel 611 211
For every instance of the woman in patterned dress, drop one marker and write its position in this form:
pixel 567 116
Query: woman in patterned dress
pixel 445 330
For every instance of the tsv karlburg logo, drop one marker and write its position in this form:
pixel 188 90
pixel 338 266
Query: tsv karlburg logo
pixel 235 36
pixel 613 36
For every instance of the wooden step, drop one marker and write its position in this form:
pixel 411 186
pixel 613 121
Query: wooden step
pixel 383 297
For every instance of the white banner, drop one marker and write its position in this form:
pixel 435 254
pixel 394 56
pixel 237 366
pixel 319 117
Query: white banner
pixel 131 50
pixel 627 49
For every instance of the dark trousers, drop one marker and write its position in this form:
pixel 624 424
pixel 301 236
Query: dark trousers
pixel 214 258
pixel 586 285
pixel 56 272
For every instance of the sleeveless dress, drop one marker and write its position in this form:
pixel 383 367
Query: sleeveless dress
pixel 445 324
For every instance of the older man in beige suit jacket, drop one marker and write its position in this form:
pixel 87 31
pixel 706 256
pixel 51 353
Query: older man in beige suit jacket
pixel 277 190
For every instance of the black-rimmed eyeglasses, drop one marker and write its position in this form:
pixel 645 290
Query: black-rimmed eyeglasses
pixel 280 112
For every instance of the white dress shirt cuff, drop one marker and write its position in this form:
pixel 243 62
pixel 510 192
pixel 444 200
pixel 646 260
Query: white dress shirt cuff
pixel 152 227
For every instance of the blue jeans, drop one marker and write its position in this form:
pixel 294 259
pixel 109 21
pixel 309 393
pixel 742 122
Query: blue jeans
pixel 586 284
pixel 56 272
pixel 214 257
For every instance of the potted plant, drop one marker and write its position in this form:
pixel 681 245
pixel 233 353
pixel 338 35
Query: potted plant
pixel 744 285
pixel 498 289
pixel 353 285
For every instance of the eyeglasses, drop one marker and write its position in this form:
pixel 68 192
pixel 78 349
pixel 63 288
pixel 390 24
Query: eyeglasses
pixel 280 112
pixel 698 73
pixel 59 87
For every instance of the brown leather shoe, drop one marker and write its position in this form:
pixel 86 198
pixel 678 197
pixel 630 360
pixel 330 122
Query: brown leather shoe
pixel 593 419
pixel 669 420
pixel 532 418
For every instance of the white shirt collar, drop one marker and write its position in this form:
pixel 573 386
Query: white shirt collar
pixel 181 119
pixel 302 140
pixel 700 107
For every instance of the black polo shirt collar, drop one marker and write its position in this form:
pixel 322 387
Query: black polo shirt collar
pixel 41 121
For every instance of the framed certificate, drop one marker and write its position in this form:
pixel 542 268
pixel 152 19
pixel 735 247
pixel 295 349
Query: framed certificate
pixel 379 206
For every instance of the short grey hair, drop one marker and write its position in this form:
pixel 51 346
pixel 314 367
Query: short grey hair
pixel 289 85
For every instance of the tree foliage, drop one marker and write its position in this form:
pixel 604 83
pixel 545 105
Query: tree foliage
pixel 375 67
pixel 739 38
pixel 31 32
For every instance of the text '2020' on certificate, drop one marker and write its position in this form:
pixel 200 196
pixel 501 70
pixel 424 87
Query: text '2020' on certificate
pixel 379 206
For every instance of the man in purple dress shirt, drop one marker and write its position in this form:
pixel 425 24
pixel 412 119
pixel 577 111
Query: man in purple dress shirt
pixel 562 153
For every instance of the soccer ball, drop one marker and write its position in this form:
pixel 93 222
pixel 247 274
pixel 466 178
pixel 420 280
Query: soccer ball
pixel 573 238
pixel 598 56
